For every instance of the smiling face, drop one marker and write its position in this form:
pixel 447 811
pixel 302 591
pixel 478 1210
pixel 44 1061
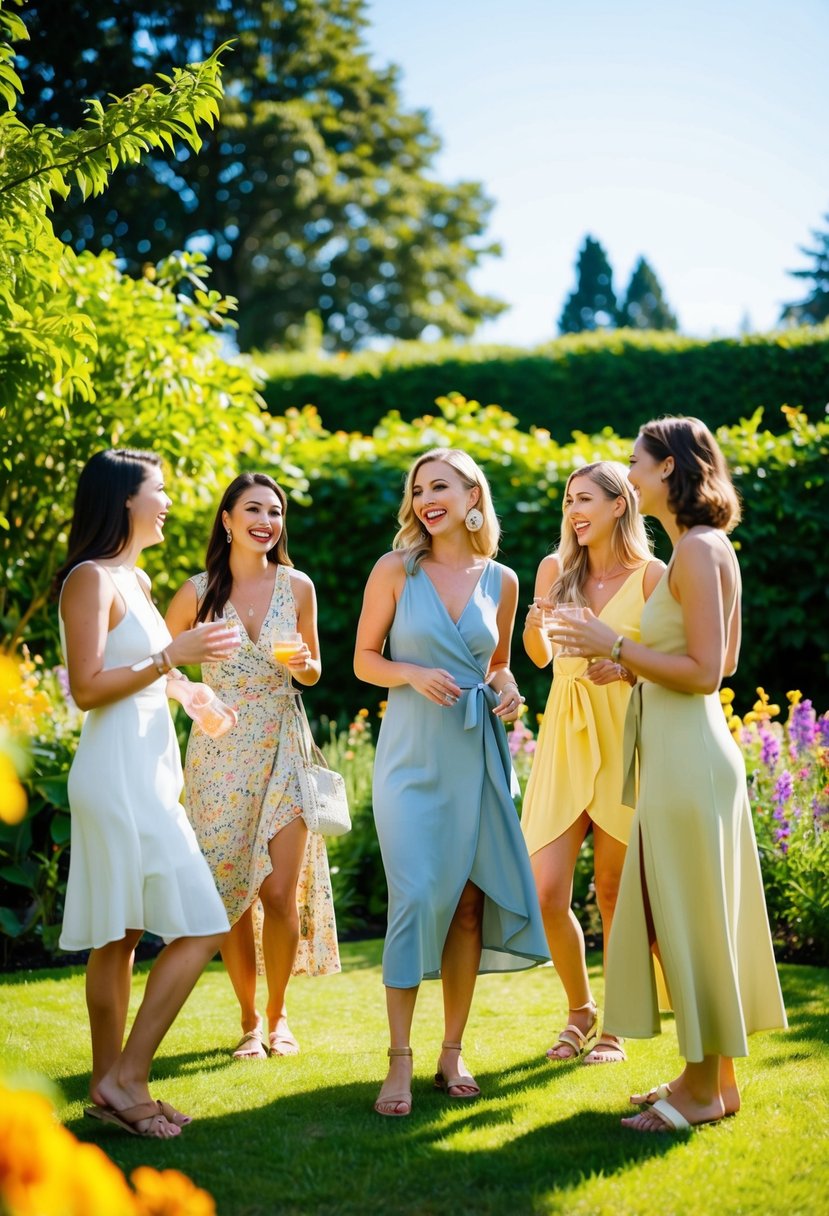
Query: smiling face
pixel 590 512
pixel 648 476
pixel 255 520
pixel 148 509
pixel 440 499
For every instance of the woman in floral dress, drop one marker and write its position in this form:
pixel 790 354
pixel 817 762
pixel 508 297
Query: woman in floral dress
pixel 241 789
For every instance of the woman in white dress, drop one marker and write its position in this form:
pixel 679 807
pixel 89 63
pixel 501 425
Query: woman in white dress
pixel 134 864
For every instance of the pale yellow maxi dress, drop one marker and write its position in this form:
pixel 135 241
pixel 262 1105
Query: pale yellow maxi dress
pixel 693 855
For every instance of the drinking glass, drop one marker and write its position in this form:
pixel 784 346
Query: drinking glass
pixel 564 613
pixel 208 711
pixel 286 644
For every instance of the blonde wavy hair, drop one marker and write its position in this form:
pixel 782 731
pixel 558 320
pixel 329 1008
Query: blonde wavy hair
pixel 413 538
pixel 629 541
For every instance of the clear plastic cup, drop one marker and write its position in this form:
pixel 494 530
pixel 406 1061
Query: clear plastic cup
pixel 286 644
pixel 564 613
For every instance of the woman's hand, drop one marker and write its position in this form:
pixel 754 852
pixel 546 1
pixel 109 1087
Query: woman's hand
pixel 300 660
pixel 509 703
pixel 435 684
pixel 588 637
pixel 535 615
pixel 208 643
pixel 605 671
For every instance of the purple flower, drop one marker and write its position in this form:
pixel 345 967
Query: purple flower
pixel 770 751
pixel 823 730
pixel 781 835
pixel 783 788
pixel 802 726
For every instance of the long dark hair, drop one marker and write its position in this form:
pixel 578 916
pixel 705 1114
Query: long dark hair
pixel 217 561
pixel 100 519
pixel 700 490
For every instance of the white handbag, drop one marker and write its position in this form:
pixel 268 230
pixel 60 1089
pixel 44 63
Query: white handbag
pixel 322 789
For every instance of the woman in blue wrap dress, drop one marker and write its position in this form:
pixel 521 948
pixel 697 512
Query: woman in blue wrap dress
pixel 461 892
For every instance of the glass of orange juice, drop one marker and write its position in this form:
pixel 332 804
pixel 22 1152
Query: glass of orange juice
pixel 286 644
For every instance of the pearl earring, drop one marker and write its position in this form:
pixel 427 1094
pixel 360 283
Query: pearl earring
pixel 474 520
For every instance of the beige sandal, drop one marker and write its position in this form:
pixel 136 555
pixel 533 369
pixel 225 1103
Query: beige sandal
pixel 447 1084
pixel 395 1099
pixel 607 1049
pixel 251 1046
pixel 577 1040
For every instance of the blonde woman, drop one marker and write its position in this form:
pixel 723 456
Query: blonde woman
pixel 435 630
pixel 603 561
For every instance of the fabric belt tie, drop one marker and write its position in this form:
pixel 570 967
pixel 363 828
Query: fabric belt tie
pixel 479 693
pixel 632 745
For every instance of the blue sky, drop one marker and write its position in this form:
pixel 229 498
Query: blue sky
pixel 695 133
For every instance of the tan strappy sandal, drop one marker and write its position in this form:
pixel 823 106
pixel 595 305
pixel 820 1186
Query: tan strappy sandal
pixel 395 1099
pixel 447 1084
pixel 578 1041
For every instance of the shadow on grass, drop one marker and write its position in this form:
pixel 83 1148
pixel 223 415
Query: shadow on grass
pixel 326 1151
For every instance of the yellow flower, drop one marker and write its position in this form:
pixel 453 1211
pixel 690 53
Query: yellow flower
pixel 97 1187
pixel 169 1193
pixel 794 697
pixel 726 696
pixel 362 713
pixel 734 723
pixel 12 794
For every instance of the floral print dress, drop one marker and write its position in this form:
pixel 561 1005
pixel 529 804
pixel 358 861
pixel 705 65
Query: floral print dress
pixel 241 789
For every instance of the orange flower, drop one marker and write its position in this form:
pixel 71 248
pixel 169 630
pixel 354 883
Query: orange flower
pixel 169 1193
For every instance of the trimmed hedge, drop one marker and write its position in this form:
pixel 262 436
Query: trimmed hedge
pixel 582 382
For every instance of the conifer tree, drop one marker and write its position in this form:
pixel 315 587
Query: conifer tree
pixel 815 308
pixel 593 304
pixel 645 306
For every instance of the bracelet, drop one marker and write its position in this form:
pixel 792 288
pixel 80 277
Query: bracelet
pixel 616 648
pixel 162 662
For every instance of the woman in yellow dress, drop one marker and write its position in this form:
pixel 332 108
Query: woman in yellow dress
pixel 604 562
pixel 691 886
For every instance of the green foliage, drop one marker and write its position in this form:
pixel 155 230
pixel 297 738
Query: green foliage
pixel 315 193
pixel 584 381
pixel 815 308
pixel 644 305
pixel 90 357
pixel 592 305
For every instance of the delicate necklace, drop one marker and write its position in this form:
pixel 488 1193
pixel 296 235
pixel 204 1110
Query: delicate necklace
pixel 252 602
pixel 600 578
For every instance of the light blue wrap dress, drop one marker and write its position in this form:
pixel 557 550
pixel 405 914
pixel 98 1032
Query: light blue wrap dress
pixel 443 804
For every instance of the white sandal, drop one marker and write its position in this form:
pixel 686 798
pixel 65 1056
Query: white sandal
pixel 577 1040
pixel 251 1046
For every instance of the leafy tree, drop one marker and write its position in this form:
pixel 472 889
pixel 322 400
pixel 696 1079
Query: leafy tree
pixel 815 308
pixel 593 303
pixel 645 306
pixel 88 356
pixel 314 195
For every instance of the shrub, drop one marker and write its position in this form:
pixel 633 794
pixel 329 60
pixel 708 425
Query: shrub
pixel 579 382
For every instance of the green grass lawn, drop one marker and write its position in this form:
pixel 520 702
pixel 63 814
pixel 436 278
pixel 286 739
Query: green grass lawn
pixel 297 1136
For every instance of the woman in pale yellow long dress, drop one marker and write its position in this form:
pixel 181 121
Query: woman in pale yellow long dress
pixel 691 885
pixel 575 785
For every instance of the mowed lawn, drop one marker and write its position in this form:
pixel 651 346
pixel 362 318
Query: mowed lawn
pixel 298 1136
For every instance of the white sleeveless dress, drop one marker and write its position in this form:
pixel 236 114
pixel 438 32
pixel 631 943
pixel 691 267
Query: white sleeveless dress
pixel 134 862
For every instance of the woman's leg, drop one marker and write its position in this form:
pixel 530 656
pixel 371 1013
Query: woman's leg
pixel 459 972
pixel 553 870
pixel 395 1096
pixel 170 982
pixel 608 859
pixel 239 958
pixel 108 986
pixel 280 935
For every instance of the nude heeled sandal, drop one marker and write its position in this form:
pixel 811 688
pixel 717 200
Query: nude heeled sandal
pixel 447 1084
pixel 577 1040
pixel 395 1099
